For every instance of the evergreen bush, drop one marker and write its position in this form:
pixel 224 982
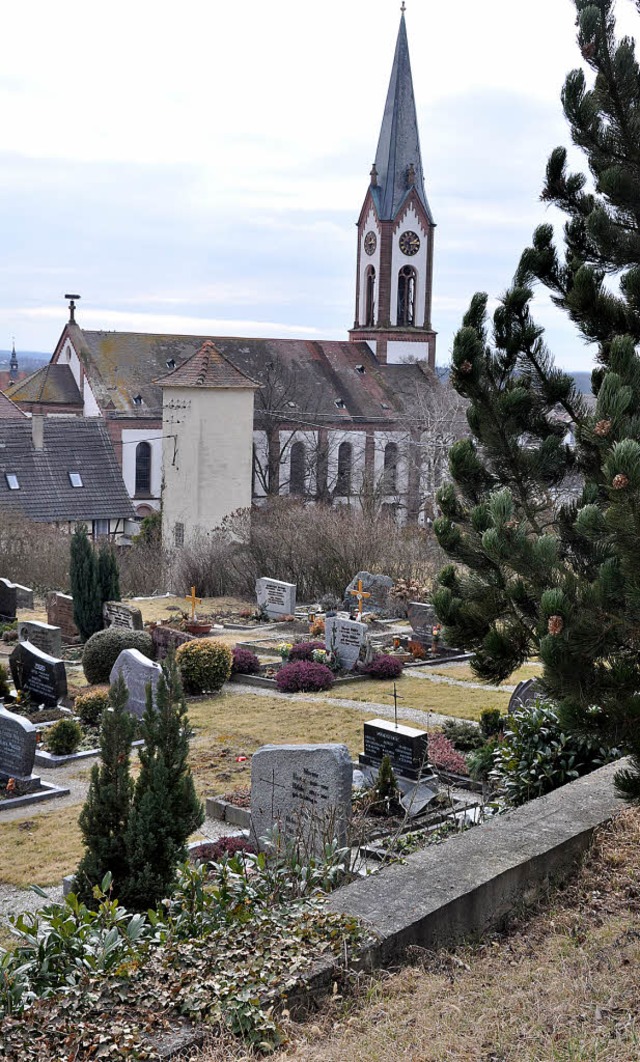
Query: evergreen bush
pixel 492 722
pixel 204 665
pixel 481 762
pixel 245 662
pixel 108 572
pixel 304 676
pixel 64 737
pixel 385 667
pixel 90 706
pixel 104 647
pixel 464 736
pixel 85 586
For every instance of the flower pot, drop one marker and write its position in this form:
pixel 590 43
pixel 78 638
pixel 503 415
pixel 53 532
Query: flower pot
pixel 198 629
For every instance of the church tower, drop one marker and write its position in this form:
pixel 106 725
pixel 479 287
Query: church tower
pixel 395 232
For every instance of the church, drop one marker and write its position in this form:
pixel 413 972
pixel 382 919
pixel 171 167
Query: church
pixel 204 425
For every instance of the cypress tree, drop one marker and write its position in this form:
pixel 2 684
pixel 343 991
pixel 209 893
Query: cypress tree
pixel 165 808
pixel 103 819
pixel 543 512
pixel 108 573
pixel 85 587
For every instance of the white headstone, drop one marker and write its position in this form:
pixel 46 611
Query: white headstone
pixel 276 598
pixel 138 671
pixel 303 792
pixel 347 639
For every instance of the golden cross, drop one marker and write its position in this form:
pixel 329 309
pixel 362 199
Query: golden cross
pixel 360 594
pixel 194 601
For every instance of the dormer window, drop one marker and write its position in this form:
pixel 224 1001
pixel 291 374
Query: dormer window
pixel 171 364
pixel 137 400
pixel 75 479
pixel 340 404
pixel 360 369
pixel 12 481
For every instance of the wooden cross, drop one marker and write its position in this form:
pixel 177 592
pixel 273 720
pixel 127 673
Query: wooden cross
pixel 360 594
pixel 194 601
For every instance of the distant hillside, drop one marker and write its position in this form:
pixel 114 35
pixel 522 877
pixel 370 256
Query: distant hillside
pixel 27 359
pixel 582 379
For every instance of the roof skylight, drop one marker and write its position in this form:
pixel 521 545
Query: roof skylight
pixel 12 481
pixel 75 479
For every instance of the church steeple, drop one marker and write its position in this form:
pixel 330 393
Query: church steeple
pixel 13 364
pixel 395 231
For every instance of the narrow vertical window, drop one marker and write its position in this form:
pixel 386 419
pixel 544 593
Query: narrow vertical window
pixel 391 468
pixel 297 469
pixel 370 297
pixel 406 296
pixel 143 468
pixel 343 481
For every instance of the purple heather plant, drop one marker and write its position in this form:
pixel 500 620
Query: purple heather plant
pixel 304 650
pixel 304 676
pixel 384 667
pixel 245 662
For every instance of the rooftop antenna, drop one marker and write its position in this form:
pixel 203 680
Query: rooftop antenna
pixel 72 307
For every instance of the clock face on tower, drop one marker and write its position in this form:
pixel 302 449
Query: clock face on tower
pixel 370 242
pixel 409 242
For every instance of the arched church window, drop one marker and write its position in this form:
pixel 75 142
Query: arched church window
pixel 143 468
pixel 370 297
pixel 297 469
pixel 391 468
pixel 407 296
pixel 343 481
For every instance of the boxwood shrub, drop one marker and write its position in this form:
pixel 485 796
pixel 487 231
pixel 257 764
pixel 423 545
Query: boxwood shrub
pixel 204 665
pixel 304 676
pixel 64 737
pixel 89 706
pixel 104 647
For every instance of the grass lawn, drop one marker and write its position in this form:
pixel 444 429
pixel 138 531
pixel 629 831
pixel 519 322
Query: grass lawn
pixel 425 696
pixel 464 673
pixel 40 850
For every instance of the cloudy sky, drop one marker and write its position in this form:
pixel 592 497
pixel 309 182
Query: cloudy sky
pixel 199 167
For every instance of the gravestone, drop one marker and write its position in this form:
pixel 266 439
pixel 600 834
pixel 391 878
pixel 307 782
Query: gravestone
pixel 60 614
pixel 276 598
pixel 137 671
pixel 406 747
pixel 422 617
pixel 167 639
pixel 17 751
pixel 525 695
pixel 24 596
pixel 43 635
pixel 347 639
pixel 8 601
pixel 44 677
pixel 119 614
pixel 303 791
pixel 378 587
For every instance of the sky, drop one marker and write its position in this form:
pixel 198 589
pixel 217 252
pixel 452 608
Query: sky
pixel 199 167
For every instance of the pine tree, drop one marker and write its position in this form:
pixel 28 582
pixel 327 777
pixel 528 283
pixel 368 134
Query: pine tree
pixel 103 819
pixel 165 809
pixel 543 514
pixel 85 587
pixel 108 573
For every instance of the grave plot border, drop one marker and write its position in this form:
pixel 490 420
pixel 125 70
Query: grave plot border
pixel 47 760
pixel 48 791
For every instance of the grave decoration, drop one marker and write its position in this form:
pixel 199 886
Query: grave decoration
pixel 138 672
pixel 276 598
pixel 60 614
pixel 525 695
pixel 347 640
pixel 302 794
pixel 360 595
pixel 406 747
pixel 377 590
pixel 194 627
pixel 120 614
pixel 17 752
pixel 42 676
pixel 43 635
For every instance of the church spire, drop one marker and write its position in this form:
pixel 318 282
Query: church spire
pixel 13 364
pixel 398 160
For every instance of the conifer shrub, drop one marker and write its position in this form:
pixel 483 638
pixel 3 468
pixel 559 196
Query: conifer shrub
pixel 464 736
pixel 104 647
pixel 204 665
pixel 304 650
pixel 90 706
pixel 64 737
pixel 384 667
pixel 304 676
pixel 85 584
pixel 481 762
pixel 492 722
pixel 245 662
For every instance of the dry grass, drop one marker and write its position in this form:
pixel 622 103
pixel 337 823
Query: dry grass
pixel 464 673
pixel 42 849
pixel 563 986
pixel 425 696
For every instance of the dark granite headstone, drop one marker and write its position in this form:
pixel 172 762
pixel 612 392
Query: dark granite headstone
pixel 43 676
pixel 525 695
pixel 17 751
pixel 24 596
pixel 42 635
pixel 119 614
pixel 405 746
pixel 422 617
pixel 8 601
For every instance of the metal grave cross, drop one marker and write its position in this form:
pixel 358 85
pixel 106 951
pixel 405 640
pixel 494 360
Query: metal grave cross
pixel 194 601
pixel 360 594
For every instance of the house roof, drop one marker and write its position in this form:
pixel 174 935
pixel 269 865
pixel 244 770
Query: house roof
pixel 45 492
pixel 207 368
pixel 399 142
pixel 53 384
pixel 9 410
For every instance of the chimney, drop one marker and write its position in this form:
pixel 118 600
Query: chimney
pixel 37 431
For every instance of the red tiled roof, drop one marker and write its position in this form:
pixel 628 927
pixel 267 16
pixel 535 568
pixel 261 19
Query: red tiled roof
pixel 207 368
